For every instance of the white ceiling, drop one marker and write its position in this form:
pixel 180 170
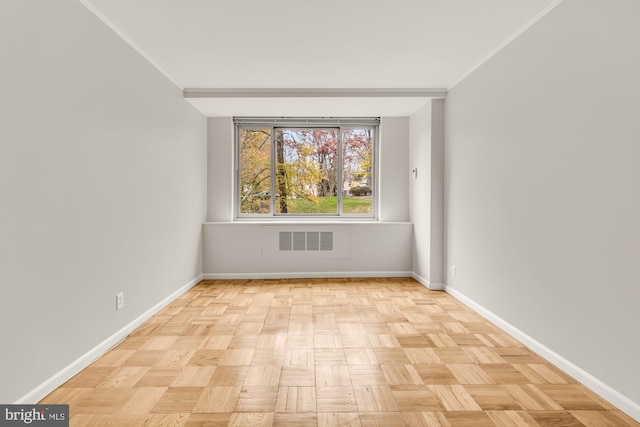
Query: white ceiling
pixel 332 44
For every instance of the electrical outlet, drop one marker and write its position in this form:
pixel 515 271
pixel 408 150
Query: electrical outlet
pixel 453 271
pixel 119 300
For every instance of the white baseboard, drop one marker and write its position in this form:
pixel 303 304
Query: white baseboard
pixel 89 357
pixel 611 395
pixel 429 285
pixel 305 275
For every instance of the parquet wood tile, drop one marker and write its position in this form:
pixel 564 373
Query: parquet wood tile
pixel 69 395
pixel 198 376
pixel 104 401
pixel 468 419
pixel 367 375
pixel 542 374
pixel 505 374
pixel 267 356
pixel 469 374
pixel 265 375
pixel 492 398
pixel 298 376
pixel 339 419
pixel 295 420
pixel 556 419
pixel 299 341
pixel 178 399
pixel 208 420
pixel 415 341
pixel 296 399
pixel 420 355
pixel 401 375
pixel 382 419
pixel 375 398
pixel 330 375
pixel 144 400
pixel 391 356
pixel 483 355
pixel 336 399
pixel 415 399
pixel 360 356
pixel 217 399
pixel 125 377
pixel 175 358
pixel 325 352
pixel 570 396
pixel 454 397
pixel 603 418
pixel 330 356
pixel 191 343
pixel 91 377
pixel 259 419
pixel 435 373
pixel 532 398
pixel 512 419
pixel 257 399
pixel 158 377
pixel 299 357
pixel 227 375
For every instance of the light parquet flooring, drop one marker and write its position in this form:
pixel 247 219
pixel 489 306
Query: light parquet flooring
pixel 325 352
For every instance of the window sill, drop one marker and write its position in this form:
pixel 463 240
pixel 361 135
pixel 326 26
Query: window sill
pixel 306 221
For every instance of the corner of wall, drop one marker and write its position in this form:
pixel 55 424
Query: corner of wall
pixel 220 169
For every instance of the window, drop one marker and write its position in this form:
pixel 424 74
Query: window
pixel 305 167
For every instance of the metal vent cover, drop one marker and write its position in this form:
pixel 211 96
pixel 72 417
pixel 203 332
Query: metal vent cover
pixel 326 240
pixel 299 241
pixel 305 240
pixel 285 241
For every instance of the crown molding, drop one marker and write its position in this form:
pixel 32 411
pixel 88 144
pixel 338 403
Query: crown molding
pixel 314 93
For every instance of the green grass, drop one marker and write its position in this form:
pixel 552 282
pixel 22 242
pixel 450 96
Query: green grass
pixel 328 205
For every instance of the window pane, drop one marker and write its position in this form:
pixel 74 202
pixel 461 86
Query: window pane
pixel 306 171
pixel 255 171
pixel 358 171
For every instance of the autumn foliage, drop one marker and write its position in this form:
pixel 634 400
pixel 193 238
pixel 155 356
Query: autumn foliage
pixel 306 170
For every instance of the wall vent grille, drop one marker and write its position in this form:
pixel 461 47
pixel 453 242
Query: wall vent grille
pixel 305 240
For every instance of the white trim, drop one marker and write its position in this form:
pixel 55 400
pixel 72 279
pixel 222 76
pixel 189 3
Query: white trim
pixel 89 357
pixel 305 221
pixel 126 38
pixel 427 284
pixel 306 275
pixel 613 396
pixel 506 42
pixel 314 93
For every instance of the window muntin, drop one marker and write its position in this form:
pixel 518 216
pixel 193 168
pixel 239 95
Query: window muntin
pixel 318 169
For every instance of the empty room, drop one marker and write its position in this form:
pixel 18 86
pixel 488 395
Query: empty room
pixel 321 213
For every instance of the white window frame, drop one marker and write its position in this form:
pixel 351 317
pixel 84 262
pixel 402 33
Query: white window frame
pixel 307 123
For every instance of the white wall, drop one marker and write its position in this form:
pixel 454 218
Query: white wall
pixel 220 172
pixel 437 270
pixel 426 192
pixel 248 250
pixel 394 169
pixel 102 187
pixel 233 249
pixel 542 161
pixel 420 190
